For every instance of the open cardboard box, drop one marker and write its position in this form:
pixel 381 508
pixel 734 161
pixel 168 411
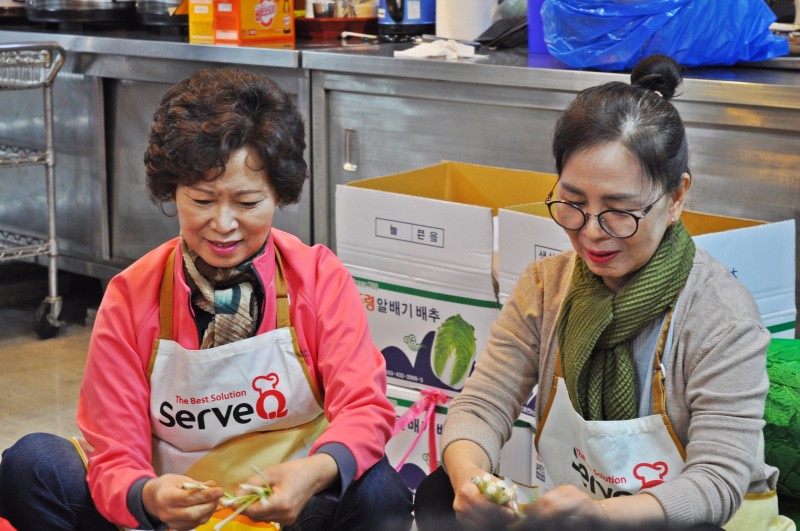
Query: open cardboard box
pixel 420 246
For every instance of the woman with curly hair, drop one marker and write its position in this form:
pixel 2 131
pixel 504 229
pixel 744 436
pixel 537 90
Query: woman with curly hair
pixel 230 358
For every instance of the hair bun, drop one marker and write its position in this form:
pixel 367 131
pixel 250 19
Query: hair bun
pixel 658 73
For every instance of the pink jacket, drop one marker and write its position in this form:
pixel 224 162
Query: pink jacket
pixel 332 333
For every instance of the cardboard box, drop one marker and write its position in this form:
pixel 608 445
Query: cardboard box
pixel 420 247
pixel 201 21
pixel 761 255
pixel 517 458
pixel 253 21
pixel 525 233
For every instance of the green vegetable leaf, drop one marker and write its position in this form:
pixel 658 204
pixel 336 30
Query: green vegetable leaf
pixel 453 350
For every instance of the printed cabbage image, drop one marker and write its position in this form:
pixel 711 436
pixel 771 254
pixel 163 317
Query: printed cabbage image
pixel 453 350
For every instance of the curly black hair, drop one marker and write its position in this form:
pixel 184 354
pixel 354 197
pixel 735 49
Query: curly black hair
pixel 204 118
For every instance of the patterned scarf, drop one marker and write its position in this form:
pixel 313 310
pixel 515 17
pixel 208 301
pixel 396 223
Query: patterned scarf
pixel 227 294
pixel 596 327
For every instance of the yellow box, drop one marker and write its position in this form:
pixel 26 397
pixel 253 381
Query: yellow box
pixel 250 21
pixel 201 21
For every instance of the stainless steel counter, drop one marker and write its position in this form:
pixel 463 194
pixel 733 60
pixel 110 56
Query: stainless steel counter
pixel 498 67
pixel 756 84
pixel 105 94
pixel 154 45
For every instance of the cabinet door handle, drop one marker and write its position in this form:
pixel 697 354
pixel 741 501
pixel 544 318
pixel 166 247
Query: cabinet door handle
pixel 350 150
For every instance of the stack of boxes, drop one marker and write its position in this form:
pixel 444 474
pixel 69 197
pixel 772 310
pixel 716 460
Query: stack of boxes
pixel 435 253
pixel 240 21
pixel 421 248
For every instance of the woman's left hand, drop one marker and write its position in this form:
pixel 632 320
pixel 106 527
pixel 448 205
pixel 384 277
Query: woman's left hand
pixel 564 500
pixel 637 511
pixel 293 483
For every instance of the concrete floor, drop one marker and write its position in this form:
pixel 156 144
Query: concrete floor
pixel 40 379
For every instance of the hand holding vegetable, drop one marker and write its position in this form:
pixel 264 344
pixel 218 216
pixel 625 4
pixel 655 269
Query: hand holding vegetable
pixel 496 490
pixel 240 503
pixel 476 502
pixel 562 501
pixel 293 483
pixel 180 501
pixel 463 460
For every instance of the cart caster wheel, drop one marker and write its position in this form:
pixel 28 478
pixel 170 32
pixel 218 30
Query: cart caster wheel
pixel 41 322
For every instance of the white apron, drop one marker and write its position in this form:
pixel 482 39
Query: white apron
pixel 606 459
pixel 216 413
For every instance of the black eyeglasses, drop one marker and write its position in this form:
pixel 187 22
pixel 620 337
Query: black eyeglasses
pixel 614 222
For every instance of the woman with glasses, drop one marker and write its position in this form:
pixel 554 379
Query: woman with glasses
pixel 648 354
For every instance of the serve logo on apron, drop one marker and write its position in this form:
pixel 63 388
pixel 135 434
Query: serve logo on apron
pixel 608 485
pixel 270 405
pixel 621 457
pixel 201 398
pixel 610 458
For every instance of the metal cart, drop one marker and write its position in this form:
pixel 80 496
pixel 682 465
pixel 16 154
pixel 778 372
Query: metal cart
pixel 34 66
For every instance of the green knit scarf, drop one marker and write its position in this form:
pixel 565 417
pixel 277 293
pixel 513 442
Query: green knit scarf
pixel 596 327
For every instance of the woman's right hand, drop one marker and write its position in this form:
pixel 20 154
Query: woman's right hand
pixel 182 509
pixel 463 460
pixel 473 509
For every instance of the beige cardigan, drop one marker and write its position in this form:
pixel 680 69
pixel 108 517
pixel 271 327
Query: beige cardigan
pixel 716 384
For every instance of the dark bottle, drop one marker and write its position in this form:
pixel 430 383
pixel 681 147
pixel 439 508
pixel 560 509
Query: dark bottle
pixel 402 20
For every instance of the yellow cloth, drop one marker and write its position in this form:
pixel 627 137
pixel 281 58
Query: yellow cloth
pixel 759 512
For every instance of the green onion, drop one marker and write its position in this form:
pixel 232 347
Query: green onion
pixel 257 492
pixel 193 486
pixel 497 491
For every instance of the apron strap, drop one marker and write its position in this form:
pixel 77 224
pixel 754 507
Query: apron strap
pixel 659 394
pixel 282 319
pixel 164 309
pixel 165 298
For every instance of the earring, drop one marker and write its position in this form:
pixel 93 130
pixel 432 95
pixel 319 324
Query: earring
pixel 672 221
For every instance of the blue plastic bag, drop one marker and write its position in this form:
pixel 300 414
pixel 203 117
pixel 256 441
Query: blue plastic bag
pixel 616 34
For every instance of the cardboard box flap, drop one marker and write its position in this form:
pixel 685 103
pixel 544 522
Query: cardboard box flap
pixel 698 223
pixel 438 242
pixel 469 184
pixel 761 256
pixel 525 233
pixel 535 209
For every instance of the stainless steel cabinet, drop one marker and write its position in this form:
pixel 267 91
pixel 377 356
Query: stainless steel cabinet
pixel 368 126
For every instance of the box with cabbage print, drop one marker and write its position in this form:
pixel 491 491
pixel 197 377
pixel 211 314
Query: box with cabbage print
pixel 420 247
